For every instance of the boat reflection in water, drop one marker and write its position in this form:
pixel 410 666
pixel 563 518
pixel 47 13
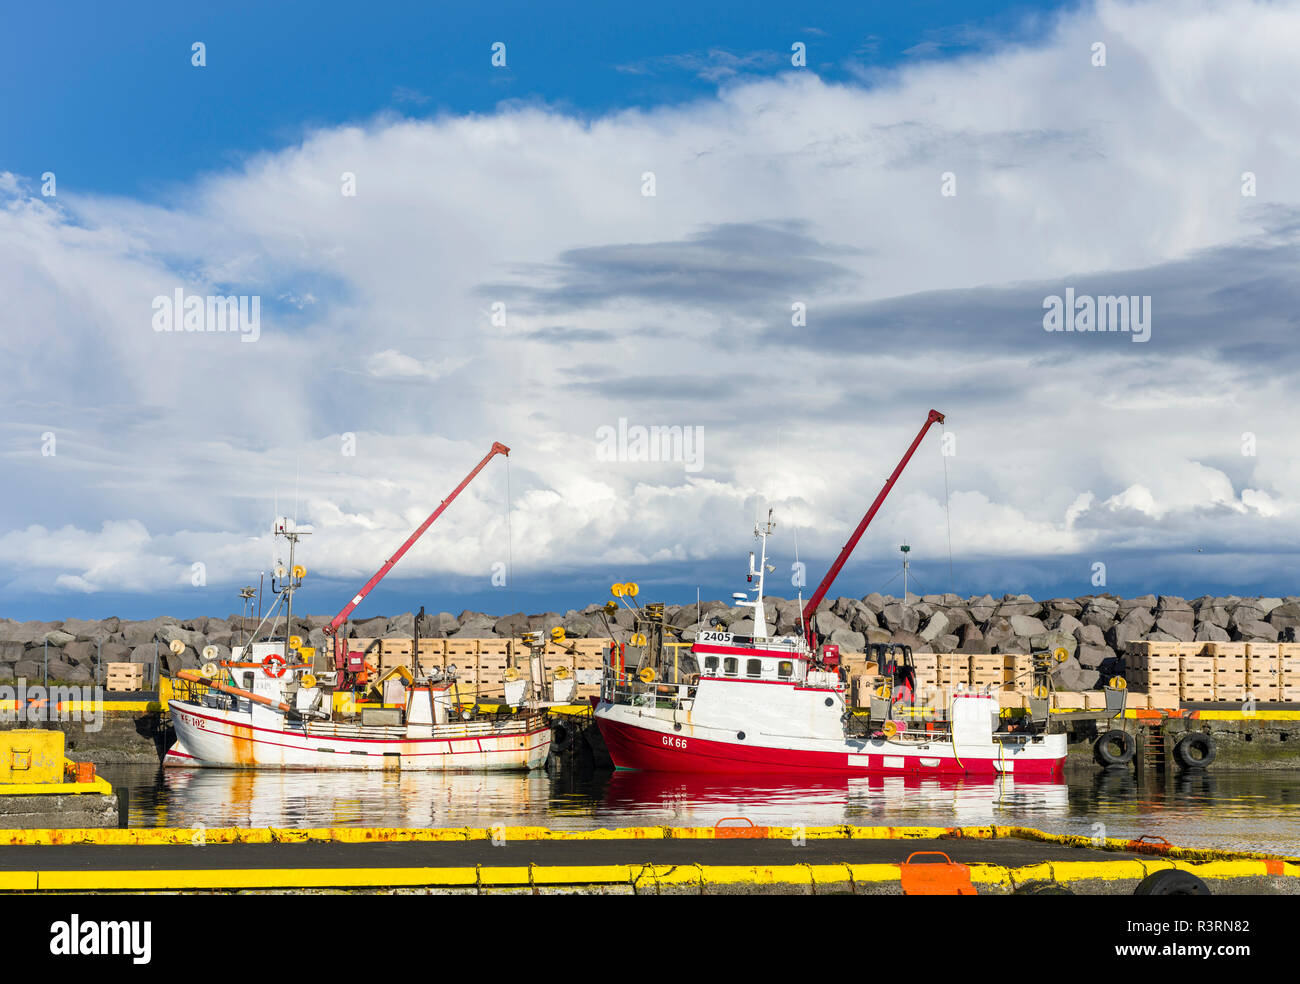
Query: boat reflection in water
pixel 682 800
pixel 181 797
pixel 254 798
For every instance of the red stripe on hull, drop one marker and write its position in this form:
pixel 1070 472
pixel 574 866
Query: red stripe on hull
pixel 645 749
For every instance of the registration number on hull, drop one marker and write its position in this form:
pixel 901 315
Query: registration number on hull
pixel 671 742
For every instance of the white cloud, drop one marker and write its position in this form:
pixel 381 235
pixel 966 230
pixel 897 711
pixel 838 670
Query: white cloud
pixel 376 322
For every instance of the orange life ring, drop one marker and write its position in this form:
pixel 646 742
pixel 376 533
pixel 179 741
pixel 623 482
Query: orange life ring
pixel 266 666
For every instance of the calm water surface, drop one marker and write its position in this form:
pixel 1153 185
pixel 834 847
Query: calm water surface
pixel 1250 811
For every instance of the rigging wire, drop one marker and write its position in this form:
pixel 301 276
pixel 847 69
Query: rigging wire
pixel 510 563
pixel 947 500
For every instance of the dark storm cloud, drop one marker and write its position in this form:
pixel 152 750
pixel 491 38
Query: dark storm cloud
pixel 733 264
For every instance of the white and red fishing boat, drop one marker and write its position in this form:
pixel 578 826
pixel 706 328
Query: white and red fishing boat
pixel 763 704
pixel 278 717
pixel 276 704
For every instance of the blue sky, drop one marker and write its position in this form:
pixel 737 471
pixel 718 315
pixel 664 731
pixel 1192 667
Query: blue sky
pixel 93 91
pixel 919 189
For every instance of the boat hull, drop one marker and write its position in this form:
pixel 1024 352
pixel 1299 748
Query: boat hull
pixel 214 738
pixel 651 744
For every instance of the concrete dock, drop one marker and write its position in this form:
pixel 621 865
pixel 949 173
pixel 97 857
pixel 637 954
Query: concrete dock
pixel 641 860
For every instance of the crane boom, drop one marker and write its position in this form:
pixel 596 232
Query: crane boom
pixel 810 609
pixel 341 617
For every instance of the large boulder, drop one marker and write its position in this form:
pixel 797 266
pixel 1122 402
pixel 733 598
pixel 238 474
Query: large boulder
pixel 1214 613
pixel 191 638
pixel 1013 605
pixel 1255 631
pixel 900 618
pixel 997 631
pixel 1053 640
pixel 578 626
pixel 864 618
pixel 1285 615
pixel 57 637
pixel 1026 626
pixel 474 625
pixel 87 630
pixel 61 671
pixel 1090 635
pixel 826 623
pixel 25 632
pixel 1071 675
pixel 1091 657
pixel 11 652
pixel 400 627
pixel 1143 602
pixel 371 628
pixel 1065 606
pixel 849 641
pixel 141 633
pixel 935 626
pixel 1101 612
pixel 1134 626
pixel 1176 628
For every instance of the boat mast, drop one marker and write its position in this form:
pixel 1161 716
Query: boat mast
pixel 762 532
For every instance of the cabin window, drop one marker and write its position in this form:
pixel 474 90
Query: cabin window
pixel 784 668
pixel 710 664
pixel 754 667
pixel 731 666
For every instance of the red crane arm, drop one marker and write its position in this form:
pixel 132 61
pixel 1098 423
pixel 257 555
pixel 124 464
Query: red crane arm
pixel 810 609
pixel 341 617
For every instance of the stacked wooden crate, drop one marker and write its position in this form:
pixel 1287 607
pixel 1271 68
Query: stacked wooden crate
pixel 463 654
pixel 1017 672
pixel 1231 671
pixel 124 677
pixel 369 648
pixel 394 653
pixel 927 670
pixel 1288 666
pixel 433 654
pixel 493 659
pixel 589 656
pixel 954 669
pixel 988 671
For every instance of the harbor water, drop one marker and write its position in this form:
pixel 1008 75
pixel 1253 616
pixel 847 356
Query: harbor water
pixel 1243 810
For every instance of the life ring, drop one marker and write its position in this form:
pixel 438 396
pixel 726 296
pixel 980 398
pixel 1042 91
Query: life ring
pixel 272 659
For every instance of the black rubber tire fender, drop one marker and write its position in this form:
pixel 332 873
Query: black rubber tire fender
pixel 1195 750
pixel 1172 881
pixel 561 737
pixel 1107 756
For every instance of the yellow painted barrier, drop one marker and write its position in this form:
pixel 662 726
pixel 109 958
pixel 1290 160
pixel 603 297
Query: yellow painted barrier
pixel 639 877
pixel 362 835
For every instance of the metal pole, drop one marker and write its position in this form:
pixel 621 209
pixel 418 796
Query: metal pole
pixel 99 659
pixel 155 660
pixel 45 658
